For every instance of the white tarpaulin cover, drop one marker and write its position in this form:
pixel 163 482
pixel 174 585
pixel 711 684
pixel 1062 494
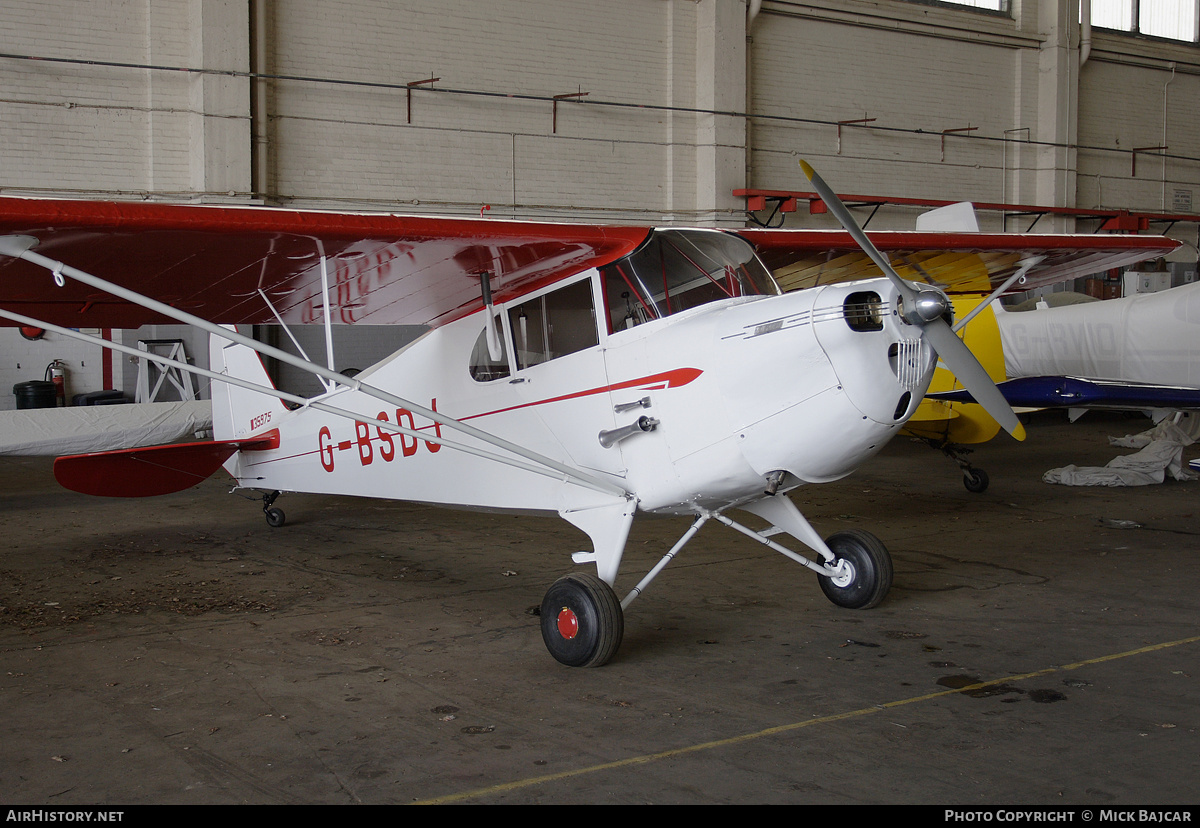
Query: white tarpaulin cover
pixel 1162 452
pixel 1151 338
pixel 83 429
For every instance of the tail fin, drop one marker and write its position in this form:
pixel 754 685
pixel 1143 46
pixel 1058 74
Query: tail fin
pixel 237 411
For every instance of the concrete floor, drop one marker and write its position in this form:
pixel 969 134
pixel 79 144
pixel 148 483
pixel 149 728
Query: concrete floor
pixel 178 650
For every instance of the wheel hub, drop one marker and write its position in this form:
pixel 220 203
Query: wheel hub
pixel 568 623
pixel 843 574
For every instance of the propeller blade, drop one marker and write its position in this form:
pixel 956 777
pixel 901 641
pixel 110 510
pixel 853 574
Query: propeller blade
pixel 842 214
pixel 949 347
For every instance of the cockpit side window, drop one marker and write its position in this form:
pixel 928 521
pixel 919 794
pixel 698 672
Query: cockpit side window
pixel 554 324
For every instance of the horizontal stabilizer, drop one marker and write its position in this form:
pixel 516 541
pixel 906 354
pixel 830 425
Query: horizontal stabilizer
pixel 151 470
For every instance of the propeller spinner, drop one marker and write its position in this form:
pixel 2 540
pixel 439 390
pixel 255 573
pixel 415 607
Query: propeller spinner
pixel 926 308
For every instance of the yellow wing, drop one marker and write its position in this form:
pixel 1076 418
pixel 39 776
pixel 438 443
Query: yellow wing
pixel 959 263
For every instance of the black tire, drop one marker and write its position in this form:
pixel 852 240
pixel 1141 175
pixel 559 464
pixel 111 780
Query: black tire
pixel 871 575
pixel 582 621
pixel 976 480
pixel 275 517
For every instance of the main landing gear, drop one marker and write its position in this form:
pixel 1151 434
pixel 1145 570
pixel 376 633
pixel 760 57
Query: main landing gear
pixel 976 480
pixel 583 622
pixel 865 567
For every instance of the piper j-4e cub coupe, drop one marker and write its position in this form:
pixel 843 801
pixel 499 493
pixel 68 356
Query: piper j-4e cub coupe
pixel 592 372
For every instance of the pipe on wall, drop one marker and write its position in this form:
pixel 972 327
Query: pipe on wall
pixel 259 130
pixel 1085 31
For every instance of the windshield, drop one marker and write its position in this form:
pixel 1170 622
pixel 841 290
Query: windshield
pixel 680 269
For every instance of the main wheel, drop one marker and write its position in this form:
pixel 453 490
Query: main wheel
pixel 275 517
pixel 868 575
pixel 582 622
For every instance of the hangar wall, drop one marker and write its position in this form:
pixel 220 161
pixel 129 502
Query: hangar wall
pixel 1141 100
pixel 1043 129
pixel 468 142
pixel 669 106
pixel 87 119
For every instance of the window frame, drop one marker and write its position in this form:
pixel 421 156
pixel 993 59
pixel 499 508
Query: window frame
pixel 504 312
pixel 1134 24
pixel 1004 10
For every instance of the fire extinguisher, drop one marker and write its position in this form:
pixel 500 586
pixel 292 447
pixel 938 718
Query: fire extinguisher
pixel 56 372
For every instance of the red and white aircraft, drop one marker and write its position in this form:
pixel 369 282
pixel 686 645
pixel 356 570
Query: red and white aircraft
pixel 589 371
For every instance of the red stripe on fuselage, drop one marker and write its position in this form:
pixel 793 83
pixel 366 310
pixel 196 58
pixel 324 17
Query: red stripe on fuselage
pixel 667 379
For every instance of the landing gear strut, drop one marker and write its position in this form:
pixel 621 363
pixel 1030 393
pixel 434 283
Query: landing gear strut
pixel 976 480
pixel 583 622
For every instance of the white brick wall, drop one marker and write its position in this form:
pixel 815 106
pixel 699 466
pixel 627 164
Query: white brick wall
pixel 911 67
pixel 463 151
pixel 932 77
pixel 929 69
pixel 70 128
pixel 1123 105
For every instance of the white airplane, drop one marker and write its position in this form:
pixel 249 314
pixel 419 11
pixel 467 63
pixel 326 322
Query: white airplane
pixel 1148 339
pixel 591 372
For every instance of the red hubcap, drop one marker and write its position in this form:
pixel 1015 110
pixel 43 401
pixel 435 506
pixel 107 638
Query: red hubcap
pixel 568 624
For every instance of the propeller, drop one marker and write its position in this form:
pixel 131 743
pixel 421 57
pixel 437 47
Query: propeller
pixel 926 308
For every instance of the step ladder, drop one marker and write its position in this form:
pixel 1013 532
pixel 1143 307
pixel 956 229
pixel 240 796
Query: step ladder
pixel 151 371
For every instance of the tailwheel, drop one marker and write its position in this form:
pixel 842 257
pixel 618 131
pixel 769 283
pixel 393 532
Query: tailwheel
pixel 274 515
pixel 866 568
pixel 582 621
pixel 976 480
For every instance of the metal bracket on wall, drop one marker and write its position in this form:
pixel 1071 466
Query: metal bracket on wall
pixel 557 98
pixel 408 92
pixel 946 132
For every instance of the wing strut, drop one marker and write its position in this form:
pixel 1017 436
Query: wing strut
pixel 284 325
pixel 304 401
pixel 19 247
pixel 328 315
pixel 1026 265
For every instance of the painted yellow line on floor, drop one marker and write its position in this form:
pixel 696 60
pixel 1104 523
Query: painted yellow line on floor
pixel 773 731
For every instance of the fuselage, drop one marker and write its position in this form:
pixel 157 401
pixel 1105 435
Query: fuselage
pixel 704 405
pixel 1148 337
